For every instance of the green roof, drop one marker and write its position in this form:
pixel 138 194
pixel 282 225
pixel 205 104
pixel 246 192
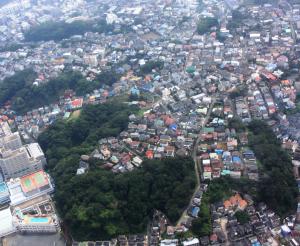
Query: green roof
pixel 225 172
pixel 208 129
pixel 191 69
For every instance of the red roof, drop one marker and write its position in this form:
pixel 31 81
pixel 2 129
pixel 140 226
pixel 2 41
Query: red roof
pixel 149 154
pixel 77 103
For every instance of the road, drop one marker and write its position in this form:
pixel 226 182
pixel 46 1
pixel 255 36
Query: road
pixel 291 20
pixel 184 216
pixel 223 223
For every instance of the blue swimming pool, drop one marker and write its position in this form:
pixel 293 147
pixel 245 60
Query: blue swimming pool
pixel 39 220
pixel 3 187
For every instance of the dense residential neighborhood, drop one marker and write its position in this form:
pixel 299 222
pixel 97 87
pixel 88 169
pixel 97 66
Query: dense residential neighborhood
pixel 168 122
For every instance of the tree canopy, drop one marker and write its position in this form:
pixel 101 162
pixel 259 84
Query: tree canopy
pixel 242 217
pixel 277 187
pixel 205 24
pixel 150 65
pixel 25 96
pixel 60 30
pixel 10 86
pixel 99 204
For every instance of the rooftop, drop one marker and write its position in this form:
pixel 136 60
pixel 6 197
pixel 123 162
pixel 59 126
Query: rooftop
pixel 34 181
pixel 6 224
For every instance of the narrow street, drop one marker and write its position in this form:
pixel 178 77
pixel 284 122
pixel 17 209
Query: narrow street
pixel 223 222
pixel 184 215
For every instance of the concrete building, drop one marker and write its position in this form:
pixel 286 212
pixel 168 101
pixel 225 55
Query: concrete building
pixel 11 141
pixel 19 162
pixel 8 139
pixel 34 150
pixel 35 224
pixel 4 194
pixel 6 223
pixel 169 242
pixel 192 242
pixel 29 187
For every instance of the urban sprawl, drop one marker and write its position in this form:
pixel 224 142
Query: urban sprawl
pixel 197 86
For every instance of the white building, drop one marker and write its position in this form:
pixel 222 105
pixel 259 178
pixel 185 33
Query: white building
pixel 169 242
pixel 6 223
pixel 29 187
pixel 19 162
pixel 192 242
pixel 36 223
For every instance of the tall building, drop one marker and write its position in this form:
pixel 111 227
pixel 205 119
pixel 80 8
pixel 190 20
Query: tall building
pixel 17 160
pixel 12 141
pixel 8 139
pixel 4 194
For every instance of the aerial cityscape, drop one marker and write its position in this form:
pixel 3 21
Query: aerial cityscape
pixel 149 122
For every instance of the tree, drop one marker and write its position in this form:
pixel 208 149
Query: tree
pixel 205 24
pixel 202 225
pixel 242 217
pixel 61 30
pixel 277 187
pixel 100 205
pixel 150 65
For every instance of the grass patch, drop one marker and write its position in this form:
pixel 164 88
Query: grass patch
pixel 74 115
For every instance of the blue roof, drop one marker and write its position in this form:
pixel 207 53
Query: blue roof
pixel 134 91
pixel 173 127
pixel 236 159
pixel 219 151
pixel 195 211
pixel 3 187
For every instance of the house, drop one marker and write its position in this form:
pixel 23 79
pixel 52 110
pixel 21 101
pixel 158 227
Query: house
pixel 235 202
pixel 137 161
pixel 170 151
pixel 149 154
pixel 77 103
pixel 191 242
pixel 207 172
pixel 232 144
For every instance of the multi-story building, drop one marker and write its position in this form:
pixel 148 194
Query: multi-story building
pixel 4 193
pixel 29 187
pixel 11 141
pixel 17 160
pixel 8 139
pixel 35 224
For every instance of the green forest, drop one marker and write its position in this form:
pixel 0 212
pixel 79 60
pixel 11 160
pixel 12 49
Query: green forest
pixel 205 24
pixel 150 65
pixel 219 190
pixel 277 187
pixel 100 205
pixel 25 96
pixel 60 30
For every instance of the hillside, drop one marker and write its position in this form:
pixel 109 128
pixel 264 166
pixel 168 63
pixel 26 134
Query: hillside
pixel 100 205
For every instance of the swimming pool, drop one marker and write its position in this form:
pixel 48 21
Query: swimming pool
pixel 3 187
pixel 39 220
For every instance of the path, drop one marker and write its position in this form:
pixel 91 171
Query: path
pixel 184 215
